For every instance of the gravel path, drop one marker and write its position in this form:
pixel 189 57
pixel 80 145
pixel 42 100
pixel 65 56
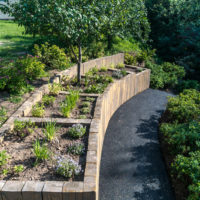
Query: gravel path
pixel 132 167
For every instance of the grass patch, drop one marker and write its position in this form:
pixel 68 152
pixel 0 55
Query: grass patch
pixel 13 41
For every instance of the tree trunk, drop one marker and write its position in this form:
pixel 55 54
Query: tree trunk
pixel 109 42
pixel 79 65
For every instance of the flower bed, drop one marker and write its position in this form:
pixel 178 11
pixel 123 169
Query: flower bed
pixel 115 91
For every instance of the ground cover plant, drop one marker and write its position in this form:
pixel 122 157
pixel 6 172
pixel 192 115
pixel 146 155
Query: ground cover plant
pixel 180 136
pixel 43 152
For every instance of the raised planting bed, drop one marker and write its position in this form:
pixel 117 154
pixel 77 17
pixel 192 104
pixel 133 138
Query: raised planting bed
pixel 44 151
pixel 57 106
pixel 40 180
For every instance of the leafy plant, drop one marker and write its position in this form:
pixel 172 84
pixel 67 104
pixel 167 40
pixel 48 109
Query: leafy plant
pixel 18 169
pixel 67 167
pixel 120 66
pixel 82 117
pixel 187 84
pixel 119 74
pixel 90 99
pixel 182 138
pixel 103 69
pixel 52 56
pixel 77 131
pixel 3 158
pixel 38 110
pixel 50 130
pixel 86 104
pixel 185 168
pixel 5 172
pixel 55 89
pixel 76 149
pixel 23 129
pixel 48 100
pixel 185 107
pixel 85 110
pixel 41 151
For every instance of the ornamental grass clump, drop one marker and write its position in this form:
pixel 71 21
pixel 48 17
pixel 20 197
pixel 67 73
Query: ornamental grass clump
pixel 77 131
pixel 69 103
pixel 67 167
pixel 50 130
pixel 41 151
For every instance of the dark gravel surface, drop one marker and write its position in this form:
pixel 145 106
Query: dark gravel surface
pixel 132 166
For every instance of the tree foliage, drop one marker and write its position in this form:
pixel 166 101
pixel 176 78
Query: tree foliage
pixel 176 32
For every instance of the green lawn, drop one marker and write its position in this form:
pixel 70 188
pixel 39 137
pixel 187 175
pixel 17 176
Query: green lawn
pixel 12 40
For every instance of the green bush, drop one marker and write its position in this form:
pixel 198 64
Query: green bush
pixel 182 138
pixel 185 107
pixel 187 84
pixel 165 75
pixel 38 110
pixel 52 56
pixel 14 77
pixel 188 168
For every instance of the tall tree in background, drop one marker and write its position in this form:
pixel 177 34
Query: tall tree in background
pixel 80 22
pixel 175 31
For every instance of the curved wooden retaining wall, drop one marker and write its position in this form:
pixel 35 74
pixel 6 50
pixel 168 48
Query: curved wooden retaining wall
pixel 113 97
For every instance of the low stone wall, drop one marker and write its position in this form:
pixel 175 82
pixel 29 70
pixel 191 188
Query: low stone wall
pixel 114 96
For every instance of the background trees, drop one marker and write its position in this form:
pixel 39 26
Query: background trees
pixel 79 23
pixel 175 32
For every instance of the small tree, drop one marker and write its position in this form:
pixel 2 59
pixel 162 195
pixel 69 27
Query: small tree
pixel 76 22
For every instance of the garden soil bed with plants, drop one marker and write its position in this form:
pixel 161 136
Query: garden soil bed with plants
pixel 19 145
pixel 83 109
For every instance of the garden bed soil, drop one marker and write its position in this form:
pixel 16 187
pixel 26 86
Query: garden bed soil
pixel 21 153
pixel 11 107
pixel 180 187
pixel 53 111
pixel 72 85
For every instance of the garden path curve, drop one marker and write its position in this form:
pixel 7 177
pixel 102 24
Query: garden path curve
pixel 132 167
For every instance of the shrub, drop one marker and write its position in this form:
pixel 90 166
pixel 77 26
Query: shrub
pixel 165 75
pixel 77 131
pixel 50 130
pixel 103 69
pixel 67 167
pixel 41 151
pixel 130 59
pixel 182 138
pixel 38 110
pixel 52 56
pixel 185 107
pixel 48 100
pixel 15 76
pixel 189 168
pixel 187 84
pixel 76 149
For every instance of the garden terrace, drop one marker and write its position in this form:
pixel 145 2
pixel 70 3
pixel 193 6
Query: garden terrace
pixel 103 103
